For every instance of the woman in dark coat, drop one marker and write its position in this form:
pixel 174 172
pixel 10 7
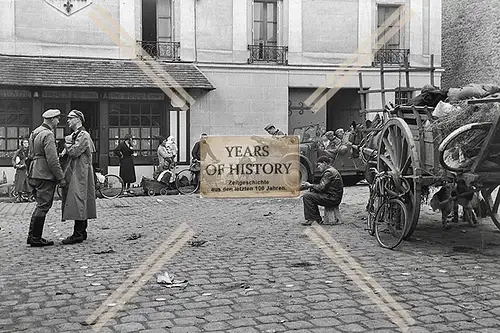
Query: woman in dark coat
pixel 125 153
pixel 19 162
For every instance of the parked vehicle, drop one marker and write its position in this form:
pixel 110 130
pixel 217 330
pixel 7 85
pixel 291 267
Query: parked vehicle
pixel 351 168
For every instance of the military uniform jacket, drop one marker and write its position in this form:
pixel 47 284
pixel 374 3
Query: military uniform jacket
pixel 45 164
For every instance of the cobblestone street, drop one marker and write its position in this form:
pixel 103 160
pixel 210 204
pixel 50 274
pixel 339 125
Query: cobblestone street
pixel 250 267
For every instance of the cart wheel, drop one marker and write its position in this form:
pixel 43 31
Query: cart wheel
pixel 397 153
pixel 492 198
pixel 151 193
pixel 163 191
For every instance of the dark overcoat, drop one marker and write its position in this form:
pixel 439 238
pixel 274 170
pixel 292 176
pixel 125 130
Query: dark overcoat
pixel 127 168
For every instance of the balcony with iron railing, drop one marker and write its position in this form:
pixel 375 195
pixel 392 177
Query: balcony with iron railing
pixel 161 50
pixel 398 57
pixel 268 54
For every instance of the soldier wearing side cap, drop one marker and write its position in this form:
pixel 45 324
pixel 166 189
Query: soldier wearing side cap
pixel 272 130
pixel 44 174
pixel 79 196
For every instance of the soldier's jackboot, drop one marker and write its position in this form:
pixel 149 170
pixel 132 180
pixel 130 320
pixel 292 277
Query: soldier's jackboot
pixel 30 231
pixel 36 239
pixel 85 230
pixel 78 233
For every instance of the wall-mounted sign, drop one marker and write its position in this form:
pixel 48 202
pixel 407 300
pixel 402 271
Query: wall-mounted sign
pixel 70 94
pixel 69 7
pixel 14 93
pixel 134 96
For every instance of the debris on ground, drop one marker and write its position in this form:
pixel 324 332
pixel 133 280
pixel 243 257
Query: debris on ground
pixel 197 243
pixel 301 264
pixel 134 236
pixel 268 214
pixel 110 250
pixel 168 281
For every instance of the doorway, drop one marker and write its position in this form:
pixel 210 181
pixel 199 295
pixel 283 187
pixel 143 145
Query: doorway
pixel 342 109
pixel 90 111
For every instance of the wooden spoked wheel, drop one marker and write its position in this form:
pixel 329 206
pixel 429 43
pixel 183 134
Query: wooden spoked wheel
pixel 397 154
pixel 491 196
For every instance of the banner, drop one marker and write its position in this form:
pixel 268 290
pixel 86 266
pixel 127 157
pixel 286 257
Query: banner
pixel 249 166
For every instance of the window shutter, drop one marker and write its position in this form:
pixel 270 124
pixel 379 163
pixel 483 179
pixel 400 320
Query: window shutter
pixel 279 28
pixel 172 19
pixel 252 22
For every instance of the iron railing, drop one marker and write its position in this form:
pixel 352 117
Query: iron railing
pixel 392 57
pixel 268 53
pixel 161 50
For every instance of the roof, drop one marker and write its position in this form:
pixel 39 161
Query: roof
pixel 98 73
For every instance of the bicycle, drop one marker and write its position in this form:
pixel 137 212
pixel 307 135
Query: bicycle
pixel 387 213
pixel 458 149
pixel 187 181
pixel 109 186
pixel 23 197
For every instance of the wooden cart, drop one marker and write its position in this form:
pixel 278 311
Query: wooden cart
pixel 408 148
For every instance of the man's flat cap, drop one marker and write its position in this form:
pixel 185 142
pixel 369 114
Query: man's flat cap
pixel 51 113
pixel 76 114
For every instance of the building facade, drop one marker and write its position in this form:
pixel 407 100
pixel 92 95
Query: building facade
pixel 184 67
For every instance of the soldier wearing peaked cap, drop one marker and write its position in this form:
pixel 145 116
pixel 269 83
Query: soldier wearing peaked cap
pixel 44 173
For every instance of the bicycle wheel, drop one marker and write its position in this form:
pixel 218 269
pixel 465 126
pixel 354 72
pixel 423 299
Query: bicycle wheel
pixel 186 182
pixel 12 192
pixel 390 223
pixel 112 187
pixel 459 150
pixel 371 209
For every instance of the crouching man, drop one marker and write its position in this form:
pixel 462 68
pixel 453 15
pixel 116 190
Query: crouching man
pixel 328 193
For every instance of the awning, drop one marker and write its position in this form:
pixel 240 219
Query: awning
pixel 98 73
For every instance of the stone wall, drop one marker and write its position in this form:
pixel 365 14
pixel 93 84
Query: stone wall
pixel 471 42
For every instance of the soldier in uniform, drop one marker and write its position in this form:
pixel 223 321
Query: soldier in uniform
pixel 44 174
pixel 272 130
pixel 78 198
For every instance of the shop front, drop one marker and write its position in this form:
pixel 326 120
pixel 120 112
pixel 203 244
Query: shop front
pixel 110 113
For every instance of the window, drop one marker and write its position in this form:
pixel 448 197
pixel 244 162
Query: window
pixel 392 36
pixel 266 33
pixel 164 19
pixel 141 119
pixel 15 122
pixel 158 29
pixel 402 97
pixel 265 23
pixel 390 45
